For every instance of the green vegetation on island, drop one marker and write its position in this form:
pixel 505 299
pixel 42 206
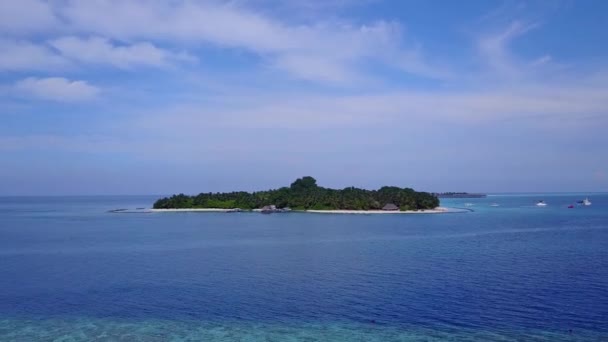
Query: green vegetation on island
pixel 305 194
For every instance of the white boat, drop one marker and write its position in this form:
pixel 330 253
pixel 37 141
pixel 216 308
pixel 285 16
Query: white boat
pixel 494 205
pixel 541 203
pixel 586 201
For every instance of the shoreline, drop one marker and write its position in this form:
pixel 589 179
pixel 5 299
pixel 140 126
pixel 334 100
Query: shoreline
pixel 438 210
pixel 178 210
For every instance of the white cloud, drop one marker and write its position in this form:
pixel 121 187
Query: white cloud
pixel 555 107
pixel 294 48
pixel 59 54
pixel 334 47
pixel 57 89
pixel 317 68
pixel 99 50
pixel 542 61
pixel 19 55
pixel 495 49
pixel 26 16
pixel 188 21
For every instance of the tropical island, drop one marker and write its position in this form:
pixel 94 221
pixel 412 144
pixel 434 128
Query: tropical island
pixel 305 195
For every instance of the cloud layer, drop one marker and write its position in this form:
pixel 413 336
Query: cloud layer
pixel 97 50
pixel 57 89
pixel 326 51
pixel 299 86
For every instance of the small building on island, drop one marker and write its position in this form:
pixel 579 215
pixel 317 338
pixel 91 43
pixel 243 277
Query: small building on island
pixel 267 209
pixel 390 207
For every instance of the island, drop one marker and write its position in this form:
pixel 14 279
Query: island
pixel 305 195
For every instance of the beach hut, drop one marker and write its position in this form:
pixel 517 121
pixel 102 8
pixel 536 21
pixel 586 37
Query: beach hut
pixel 267 209
pixel 390 207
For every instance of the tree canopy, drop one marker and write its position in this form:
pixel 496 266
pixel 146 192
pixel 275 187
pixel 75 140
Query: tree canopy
pixel 305 194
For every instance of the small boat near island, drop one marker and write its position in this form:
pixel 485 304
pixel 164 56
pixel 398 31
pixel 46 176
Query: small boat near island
pixel 541 203
pixel 585 202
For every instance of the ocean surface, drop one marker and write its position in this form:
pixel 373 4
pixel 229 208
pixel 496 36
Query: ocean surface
pixel 71 271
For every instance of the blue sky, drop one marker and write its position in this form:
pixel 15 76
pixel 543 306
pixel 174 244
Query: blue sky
pixel 166 96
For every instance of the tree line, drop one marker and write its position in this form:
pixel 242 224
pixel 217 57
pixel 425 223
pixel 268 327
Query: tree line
pixel 305 194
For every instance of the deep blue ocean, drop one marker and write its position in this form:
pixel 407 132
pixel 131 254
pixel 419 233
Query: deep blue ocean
pixel 71 271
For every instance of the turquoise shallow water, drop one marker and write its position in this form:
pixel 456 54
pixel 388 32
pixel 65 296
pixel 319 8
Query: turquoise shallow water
pixel 516 272
pixel 87 329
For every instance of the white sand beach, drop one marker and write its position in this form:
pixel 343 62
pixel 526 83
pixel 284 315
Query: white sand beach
pixel 207 210
pixel 438 210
